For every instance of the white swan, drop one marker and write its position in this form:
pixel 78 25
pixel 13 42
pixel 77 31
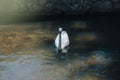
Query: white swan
pixel 62 41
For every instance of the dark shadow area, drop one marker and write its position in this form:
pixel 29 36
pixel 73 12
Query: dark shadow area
pixel 105 30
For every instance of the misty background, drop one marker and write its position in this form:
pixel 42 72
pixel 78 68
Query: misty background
pixel 53 7
pixel 26 10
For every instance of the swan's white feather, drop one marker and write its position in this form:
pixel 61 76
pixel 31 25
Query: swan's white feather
pixel 64 40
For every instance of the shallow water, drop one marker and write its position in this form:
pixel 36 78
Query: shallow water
pixel 33 55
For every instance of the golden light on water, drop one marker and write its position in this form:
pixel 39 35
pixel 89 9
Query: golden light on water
pixel 98 59
pixel 17 37
pixel 87 36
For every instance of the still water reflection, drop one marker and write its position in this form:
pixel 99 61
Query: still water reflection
pixel 27 52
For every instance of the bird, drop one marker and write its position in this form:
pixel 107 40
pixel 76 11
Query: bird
pixel 62 41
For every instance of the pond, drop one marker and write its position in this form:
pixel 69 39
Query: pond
pixel 27 50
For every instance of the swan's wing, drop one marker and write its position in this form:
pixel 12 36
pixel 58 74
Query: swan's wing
pixel 64 39
pixel 57 41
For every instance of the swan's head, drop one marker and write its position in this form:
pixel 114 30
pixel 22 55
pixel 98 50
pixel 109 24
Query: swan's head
pixel 60 29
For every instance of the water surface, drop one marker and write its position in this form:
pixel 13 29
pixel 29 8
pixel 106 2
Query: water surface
pixel 28 51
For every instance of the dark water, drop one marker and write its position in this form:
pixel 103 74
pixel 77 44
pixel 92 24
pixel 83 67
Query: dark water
pixel 93 54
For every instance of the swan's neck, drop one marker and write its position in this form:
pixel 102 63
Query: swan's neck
pixel 59 48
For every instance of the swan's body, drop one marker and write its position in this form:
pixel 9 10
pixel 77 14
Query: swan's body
pixel 62 40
